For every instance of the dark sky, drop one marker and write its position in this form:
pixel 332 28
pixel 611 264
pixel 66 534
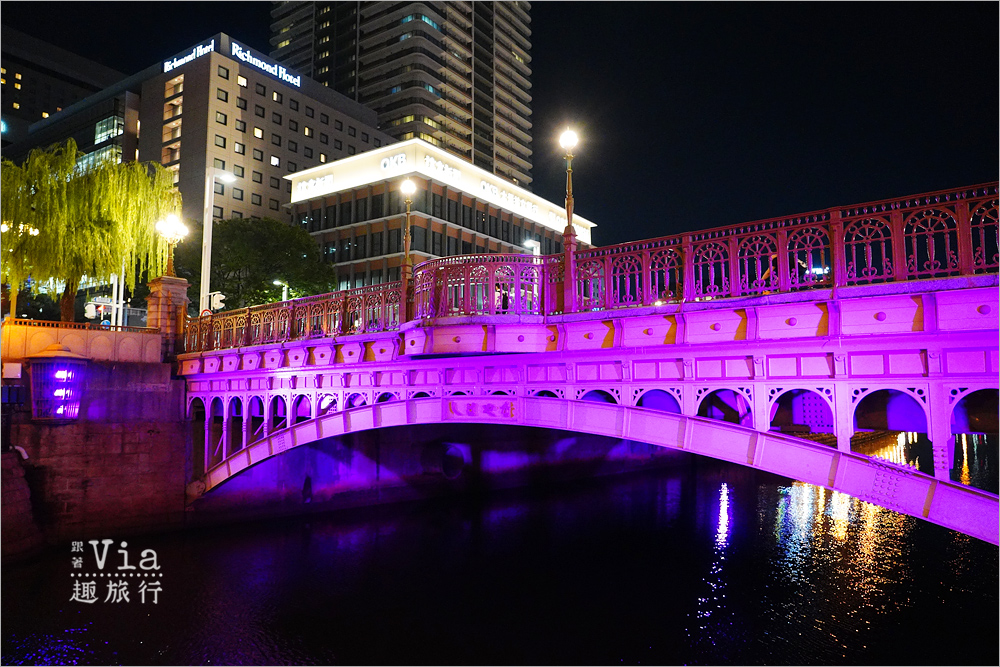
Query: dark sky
pixel 690 115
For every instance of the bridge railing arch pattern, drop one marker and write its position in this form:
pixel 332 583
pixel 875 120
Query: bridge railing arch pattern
pixel 934 235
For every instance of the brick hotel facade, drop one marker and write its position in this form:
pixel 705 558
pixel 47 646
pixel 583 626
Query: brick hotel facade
pixel 218 104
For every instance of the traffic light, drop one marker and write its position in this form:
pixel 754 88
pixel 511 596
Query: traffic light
pixel 218 300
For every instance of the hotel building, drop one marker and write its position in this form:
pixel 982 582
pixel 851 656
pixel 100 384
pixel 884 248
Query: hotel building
pixel 354 210
pixel 455 74
pixel 217 105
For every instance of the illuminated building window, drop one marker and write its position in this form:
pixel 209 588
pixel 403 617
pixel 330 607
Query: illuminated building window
pixel 18 86
pixel 307 131
pixel 324 54
pixel 259 133
pixel 275 161
pixel 276 96
pixel 283 43
pixel 322 157
pixel 240 148
pixel 242 81
pixel 45 114
pixel 324 39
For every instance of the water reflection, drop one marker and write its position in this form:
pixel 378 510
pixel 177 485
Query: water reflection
pixel 975 463
pixel 708 563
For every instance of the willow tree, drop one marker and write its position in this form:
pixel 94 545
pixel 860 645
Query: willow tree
pixel 65 222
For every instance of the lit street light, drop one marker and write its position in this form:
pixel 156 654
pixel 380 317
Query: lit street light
pixel 284 289
pixel 173 232
pixel 534 246
pixel 568 141
pixel 206 237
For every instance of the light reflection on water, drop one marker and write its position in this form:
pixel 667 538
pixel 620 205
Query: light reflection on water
pixel 707 563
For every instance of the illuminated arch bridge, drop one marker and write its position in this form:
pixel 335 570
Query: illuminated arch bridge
pixel 778 345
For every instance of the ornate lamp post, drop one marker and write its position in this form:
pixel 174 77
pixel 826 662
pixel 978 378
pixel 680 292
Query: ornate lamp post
pixel 568 141
pixel 173 232
pixel 407 187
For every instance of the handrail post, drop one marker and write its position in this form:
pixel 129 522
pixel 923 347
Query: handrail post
pixel 899 269
pixel 965 252
pixel 838 257
pixel 688 292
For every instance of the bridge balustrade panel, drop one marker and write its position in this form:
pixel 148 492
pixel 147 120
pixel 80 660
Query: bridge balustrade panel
pixel 934 235
pixel 362 310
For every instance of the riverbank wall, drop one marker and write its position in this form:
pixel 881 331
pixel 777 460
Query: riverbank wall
pixel 120 468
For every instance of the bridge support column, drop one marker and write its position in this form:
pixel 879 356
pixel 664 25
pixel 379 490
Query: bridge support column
pixel 939 432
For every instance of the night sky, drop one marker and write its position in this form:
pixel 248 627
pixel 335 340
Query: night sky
pixel 690 115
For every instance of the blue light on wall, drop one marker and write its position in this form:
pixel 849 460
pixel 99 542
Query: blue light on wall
pixel 57 380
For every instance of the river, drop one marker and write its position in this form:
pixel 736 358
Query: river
pixel 700 563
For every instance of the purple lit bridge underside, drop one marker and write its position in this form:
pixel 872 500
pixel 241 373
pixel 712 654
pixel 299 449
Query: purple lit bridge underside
pixel 725 357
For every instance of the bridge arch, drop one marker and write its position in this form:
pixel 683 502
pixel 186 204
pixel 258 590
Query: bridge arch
pixel 234 428
pixel 277 414
pixel 301 409
pixel 948 504
pixel 387 396
pixel 197 413
pixel 728 405
pixel 658 399
pixel 355 400
pixel 325 404
pixel 255 413
pixel 599 396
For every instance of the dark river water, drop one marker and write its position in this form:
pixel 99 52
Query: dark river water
pixel 703 563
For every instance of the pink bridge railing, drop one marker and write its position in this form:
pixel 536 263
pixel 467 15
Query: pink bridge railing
pixel 939 234
pixel 362 310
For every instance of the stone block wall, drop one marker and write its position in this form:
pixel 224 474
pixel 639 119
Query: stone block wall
pixel 21 536
pixel 120 468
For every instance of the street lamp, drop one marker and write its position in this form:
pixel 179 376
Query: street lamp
pixel 407 187
pixel 284 289
pixel 534 246
pixel 206 237
pixel 173 232
pixel 568 141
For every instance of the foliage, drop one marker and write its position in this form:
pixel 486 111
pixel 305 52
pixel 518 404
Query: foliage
pixel 248 255
pixel 89 222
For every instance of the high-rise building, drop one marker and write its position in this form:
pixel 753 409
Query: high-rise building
pixel 218 106
pixel 40 79
pixel 455 74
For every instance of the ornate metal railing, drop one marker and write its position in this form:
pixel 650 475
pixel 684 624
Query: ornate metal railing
pixel 483 285
pixel 940 234
pixel 361 310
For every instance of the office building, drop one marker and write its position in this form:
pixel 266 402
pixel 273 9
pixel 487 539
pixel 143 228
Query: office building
pixel 217 105
pixel 455 74
pixel 39 79
pixel 354 210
